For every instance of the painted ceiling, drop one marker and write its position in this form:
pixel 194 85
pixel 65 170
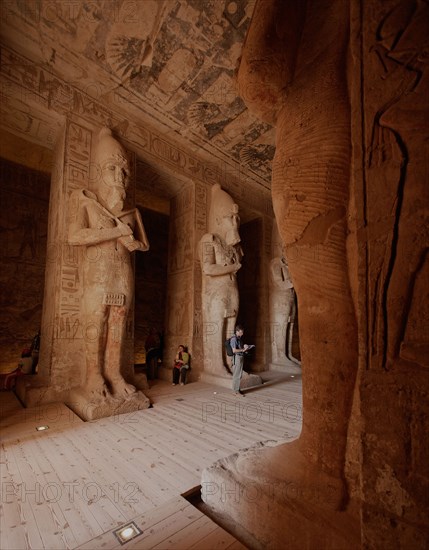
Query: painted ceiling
pixel 173 59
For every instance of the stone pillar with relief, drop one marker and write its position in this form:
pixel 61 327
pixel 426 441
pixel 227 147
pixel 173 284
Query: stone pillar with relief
pixel 179 315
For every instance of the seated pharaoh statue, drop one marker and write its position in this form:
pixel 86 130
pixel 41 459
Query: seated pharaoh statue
pixel 220 256
pixel 109 233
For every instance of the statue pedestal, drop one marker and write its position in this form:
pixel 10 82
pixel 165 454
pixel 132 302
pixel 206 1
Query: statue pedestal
pixel 37 393
pixel 94 407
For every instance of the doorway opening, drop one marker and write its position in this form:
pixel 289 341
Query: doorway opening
pixel 150 293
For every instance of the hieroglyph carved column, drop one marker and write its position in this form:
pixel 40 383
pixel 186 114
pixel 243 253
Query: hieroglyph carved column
pixel 179 315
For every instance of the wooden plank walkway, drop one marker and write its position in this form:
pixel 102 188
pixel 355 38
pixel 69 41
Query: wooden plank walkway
pixel 73 484
pixel 177 525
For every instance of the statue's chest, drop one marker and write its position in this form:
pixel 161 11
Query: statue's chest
pixel 98 219
pixel 224 255
pixel 103 221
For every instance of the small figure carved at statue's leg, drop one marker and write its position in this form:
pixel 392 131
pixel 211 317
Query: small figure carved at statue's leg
pixel 229 331
pixel 290 327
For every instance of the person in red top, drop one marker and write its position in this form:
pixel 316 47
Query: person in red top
pixel 181 365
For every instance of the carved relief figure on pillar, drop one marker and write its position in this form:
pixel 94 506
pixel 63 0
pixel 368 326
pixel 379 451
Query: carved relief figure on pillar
pixel 220 256
pixel 397 159
pixel 109 234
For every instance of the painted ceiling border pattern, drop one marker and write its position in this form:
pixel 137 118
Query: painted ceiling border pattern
pixel 53 94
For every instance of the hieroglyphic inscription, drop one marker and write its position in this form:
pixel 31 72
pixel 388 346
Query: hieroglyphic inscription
pixel 268 228
pixel 200 208
pixel 78 154
pixel 76 176
pixel 180 257
pixel 40 86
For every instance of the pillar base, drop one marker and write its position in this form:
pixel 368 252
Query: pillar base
pixel 33 390
pixel 279 512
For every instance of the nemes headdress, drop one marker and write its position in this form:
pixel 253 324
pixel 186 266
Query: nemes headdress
pixel 108 148
pixel 221 205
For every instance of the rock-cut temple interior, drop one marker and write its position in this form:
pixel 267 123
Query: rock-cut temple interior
pixel 214 284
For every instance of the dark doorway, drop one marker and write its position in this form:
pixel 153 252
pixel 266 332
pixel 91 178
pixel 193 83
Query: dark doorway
pixel 250 285
pixel 150 282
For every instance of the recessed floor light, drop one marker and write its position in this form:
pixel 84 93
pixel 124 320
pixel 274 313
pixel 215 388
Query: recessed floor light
pixel 42 428
pixel 127 532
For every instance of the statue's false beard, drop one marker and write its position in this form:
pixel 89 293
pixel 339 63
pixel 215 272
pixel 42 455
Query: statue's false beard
pixel 232 237
pixel 114 200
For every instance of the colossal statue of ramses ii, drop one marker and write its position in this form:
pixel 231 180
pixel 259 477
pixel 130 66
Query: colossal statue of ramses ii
pixel 220 256
pixel 109 233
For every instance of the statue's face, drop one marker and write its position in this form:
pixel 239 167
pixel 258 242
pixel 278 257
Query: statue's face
pixel 230 226
pixel 114 180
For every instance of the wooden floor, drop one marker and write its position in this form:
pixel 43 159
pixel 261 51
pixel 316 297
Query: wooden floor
pixel 71 485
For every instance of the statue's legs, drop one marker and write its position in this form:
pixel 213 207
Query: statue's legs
pixel 219 323
pixel 94 333
pixel 310 197
pixel 116 325
pixel 278 329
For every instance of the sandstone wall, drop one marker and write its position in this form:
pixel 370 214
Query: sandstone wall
pixel 392 199
pixel 24 196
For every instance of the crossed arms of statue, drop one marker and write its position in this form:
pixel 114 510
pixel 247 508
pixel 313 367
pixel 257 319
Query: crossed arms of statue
pixel 211 252
pixel 92 224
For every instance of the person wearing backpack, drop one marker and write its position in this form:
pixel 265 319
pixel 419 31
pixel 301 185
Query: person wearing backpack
pixel 238 351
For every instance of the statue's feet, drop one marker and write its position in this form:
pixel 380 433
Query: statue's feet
pixel 96 387
pixel 122 389
pixel 291 477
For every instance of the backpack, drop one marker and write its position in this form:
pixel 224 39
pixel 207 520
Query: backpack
pixel 228 348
